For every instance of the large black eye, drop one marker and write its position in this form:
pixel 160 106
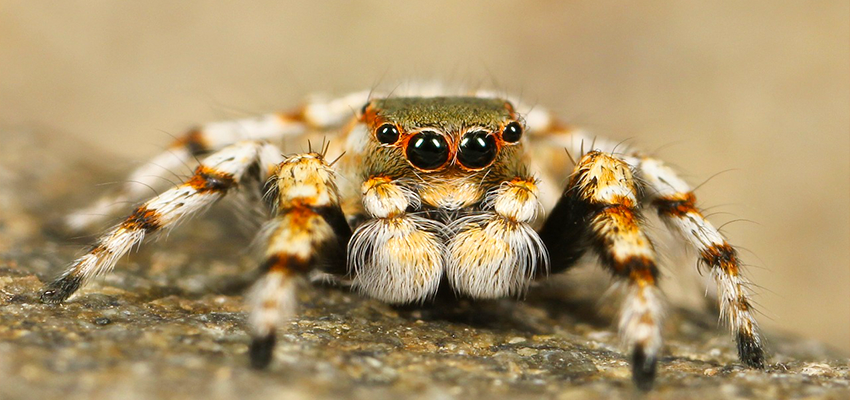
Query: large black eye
pixel 427 150
pixel 387 134
pixel 512 132
pixel 477 149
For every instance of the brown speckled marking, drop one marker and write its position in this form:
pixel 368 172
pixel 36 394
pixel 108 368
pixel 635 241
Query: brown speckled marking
pixel 143 219
pixel 301 216
pixel 207 179
pixel 722 256
pixel 678 205
pixel 622 215
pixel 194 142
pixel 286 264
pixel 297 116
pixel 641 270
pixel 99 248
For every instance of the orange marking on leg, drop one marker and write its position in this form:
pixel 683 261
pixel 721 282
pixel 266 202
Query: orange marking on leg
pixel 97 249
pixel 624 201
pixel 207 179
pixel 142 219
pixel 743 304
pixel 375 181
pixel 722 256
pixel 286 264
pixel 529 188
pixel 677 205
pixel 300 217
pixel 642 271
pixel 296 115
pixel 648 320
pixel 192 141
pixel 622 217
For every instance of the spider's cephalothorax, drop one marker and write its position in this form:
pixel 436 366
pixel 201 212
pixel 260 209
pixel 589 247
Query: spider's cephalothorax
pixel 436 189
pixel 446 192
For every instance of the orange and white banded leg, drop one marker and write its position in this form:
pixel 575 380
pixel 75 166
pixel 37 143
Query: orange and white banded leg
pixel 213 178
pixel 308 230
pixel 396 256
pixel 676 205
pixel 497 253
pixel 606 192
pixel 317 114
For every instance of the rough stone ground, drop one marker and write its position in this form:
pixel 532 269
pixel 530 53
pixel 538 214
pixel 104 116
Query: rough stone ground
pixel 169 324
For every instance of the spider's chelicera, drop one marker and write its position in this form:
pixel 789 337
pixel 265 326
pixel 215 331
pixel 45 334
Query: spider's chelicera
pixel 436 189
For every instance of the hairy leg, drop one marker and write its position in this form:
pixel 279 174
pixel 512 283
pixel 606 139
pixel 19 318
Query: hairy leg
pixel 213 178
pixel 676 205
pixel 317 114
pixel 599 209
pixel 309 228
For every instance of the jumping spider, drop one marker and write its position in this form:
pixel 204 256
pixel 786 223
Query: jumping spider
pixel 435 189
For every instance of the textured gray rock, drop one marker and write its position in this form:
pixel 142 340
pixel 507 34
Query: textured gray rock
pixel 169 324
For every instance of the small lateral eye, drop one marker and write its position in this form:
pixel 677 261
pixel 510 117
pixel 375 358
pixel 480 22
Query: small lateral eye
pixel 387 134
pixel 512 132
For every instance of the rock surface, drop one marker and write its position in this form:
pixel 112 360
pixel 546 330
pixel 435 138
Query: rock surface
pixel 169 324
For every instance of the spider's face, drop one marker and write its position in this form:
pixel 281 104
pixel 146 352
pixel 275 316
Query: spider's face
pixel 450 143
pixel 439 133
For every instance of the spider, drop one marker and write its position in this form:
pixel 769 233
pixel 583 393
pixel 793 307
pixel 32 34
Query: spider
pixel 430 190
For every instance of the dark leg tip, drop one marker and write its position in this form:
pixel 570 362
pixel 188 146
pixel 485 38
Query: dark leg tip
pixel 750 351
pixel 261 351
pixel 59 290
pixel 643 369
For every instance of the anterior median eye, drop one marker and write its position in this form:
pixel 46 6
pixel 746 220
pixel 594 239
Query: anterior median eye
pixel 477 149
pixel 387 134
pixel 427 150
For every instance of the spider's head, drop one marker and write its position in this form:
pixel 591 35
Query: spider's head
pixel 447 142
pixel 439 133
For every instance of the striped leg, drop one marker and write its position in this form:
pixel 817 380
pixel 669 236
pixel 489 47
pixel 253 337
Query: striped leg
pixel 213 178
pixel 317 115
pixel 309 229
pixel 497 253
pixel 601 204
pixel 675 202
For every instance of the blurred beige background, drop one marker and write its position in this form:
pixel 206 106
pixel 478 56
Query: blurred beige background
pixel 759 87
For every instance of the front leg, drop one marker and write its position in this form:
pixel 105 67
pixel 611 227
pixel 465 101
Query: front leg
pixel 599 210
pixel 309 229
